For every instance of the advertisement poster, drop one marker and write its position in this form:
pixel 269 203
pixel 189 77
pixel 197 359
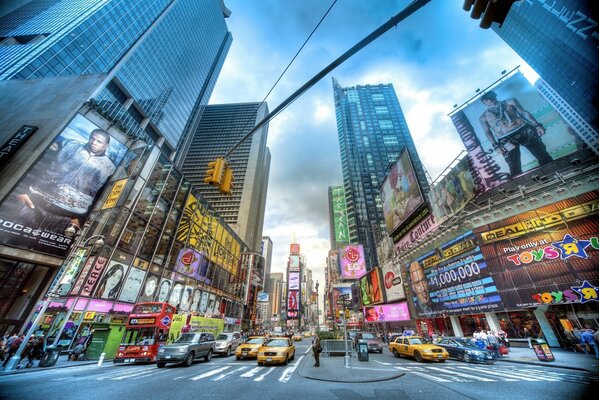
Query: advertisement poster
pixel 263 296
pixel 112 281
pixel 392 281
pixel 411 236
pixel 453 192
pixel 186 298
pixel 351 261
pixel 294 281
pixel 132 285
pixel 341 224
pixel 149 288
pixel 294 263
pixel 164 289
pixel 387 313
pixel 195 302
pixel 204 302
pixel 545 256
pixel 370 288
pixel 294 248
pixel 453 279
pixel 400 193
pixel 192 264
pixel 60 188
pixel 176 294
pixel 292 300
pixel 511 130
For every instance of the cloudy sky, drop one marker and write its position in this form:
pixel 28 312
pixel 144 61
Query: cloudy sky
pixel 436 58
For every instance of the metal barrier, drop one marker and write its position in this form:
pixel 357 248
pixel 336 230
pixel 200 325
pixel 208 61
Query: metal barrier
pixel 331 347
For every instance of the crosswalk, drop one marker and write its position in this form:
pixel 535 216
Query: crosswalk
pixel 458 372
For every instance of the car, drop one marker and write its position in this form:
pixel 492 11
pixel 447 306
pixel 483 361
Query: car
pixel 464 349
pixel 308 334
pixel 375 344
pixel 276 350
pixel 187 348
pixel 297 337
pixel 416 347
pixel 226 343
pixel 249 348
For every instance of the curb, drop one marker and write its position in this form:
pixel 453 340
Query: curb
pixel 547 365
pixel 301 369
pixel 37 369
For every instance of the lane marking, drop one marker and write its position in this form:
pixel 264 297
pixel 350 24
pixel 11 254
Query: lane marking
pixel 209 373
pixel 290 370
pixel 223 376
pixel 252 372
pixel 261 377
pixel 449 371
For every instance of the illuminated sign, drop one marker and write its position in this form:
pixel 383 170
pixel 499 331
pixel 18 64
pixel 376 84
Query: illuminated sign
pixel 142 321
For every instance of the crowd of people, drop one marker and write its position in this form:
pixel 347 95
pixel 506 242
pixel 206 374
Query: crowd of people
pixel 9 344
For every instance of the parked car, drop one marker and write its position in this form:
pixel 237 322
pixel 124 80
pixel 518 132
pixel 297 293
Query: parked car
pixel 226 343
pixel 375 344
pixel 277 350
pixel 416 347
pixel 465 350
pixel 249 348
pixel 187 348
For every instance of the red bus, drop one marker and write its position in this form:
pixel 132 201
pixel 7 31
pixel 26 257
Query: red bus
pixel 146 332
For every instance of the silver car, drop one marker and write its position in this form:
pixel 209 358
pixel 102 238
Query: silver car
pixel 226 343
pixel 187 348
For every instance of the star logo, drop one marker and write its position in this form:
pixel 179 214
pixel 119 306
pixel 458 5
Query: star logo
pixel 587 292
pixel 572 247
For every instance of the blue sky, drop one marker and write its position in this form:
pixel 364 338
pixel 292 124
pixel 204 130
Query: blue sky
pixel 436 58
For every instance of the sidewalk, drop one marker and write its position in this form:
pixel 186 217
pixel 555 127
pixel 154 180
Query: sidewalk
pixel 332 369
pixel 62 362
pixel 563 359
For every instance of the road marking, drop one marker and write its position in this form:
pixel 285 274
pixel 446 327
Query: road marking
pixel 120 378
pixel 223 376
pixel 209 373
pixel 252 372
pixel 511 374
pixel 289 371
pixel 382 363
pixel 261 377
pixel 499 374
pixel 447 370
pixel 431 377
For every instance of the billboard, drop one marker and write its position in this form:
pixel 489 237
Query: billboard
pixel 452 279
pixel 387 313
pixel 191 264
pixel 545 256
pixel 400 193
pixel 60 188
pixel 294 281
pixel 263 296
pixel 112 280
pixel 453 192
pixel 370 288
pixel 340 221
pixel 392 281
pixel 411 237
pixel 294 248
pixel 294 263
pixel 292 300
pixel 511 130
pixel 351 261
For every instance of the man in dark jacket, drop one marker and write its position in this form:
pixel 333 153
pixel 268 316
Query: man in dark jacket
pixel 316 349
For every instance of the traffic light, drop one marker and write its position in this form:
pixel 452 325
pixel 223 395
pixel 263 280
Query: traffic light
pixel 214 173
pixel 490 10
pixel 336 313
pixel 226 185
pixel 347 314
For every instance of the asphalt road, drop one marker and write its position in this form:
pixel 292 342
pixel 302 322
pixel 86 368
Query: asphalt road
pixel 227 378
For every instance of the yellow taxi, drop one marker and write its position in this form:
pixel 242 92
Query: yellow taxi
pixel 297 337
pixel 249 348
pixel 276 350
pixel 308 334
pixel 416 347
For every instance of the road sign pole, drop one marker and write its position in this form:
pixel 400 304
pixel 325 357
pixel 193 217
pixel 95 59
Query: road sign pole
pixel 346 359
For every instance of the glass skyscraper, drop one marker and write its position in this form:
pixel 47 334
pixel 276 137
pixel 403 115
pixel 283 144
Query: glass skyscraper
pixel 559 41
pixel 372 133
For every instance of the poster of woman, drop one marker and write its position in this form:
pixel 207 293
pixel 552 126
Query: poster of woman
pixel 132 285
pixel 112 281
pixel 165 287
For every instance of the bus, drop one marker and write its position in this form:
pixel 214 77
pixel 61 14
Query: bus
pixel 146 332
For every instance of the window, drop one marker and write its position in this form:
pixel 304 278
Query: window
pixel 378 97
pixel 381 110
pixel 385 124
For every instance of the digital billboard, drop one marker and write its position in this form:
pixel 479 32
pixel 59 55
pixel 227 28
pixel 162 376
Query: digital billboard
pixel 60 188
pixel 294 263
pixel 400 193
pixel 452 279
pixel 392 281
pixel 192 264
pixel 340 221
pixel 387 313
pixel 292 300
pixel 370 288
pixel 294 248
pixel 351 261
pixel 262 296
pixel 294 281
pixel 453 192
pixel 511 130
pixel 545 256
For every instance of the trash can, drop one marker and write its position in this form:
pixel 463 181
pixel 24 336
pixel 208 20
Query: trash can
pixel 362 351
pixel 542 350
pixel 50 356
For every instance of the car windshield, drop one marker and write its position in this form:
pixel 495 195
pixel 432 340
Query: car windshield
pixel 185 338
pixel 277 343
pixel 255 340
pixel 466 342
pixel 368 336
pixel 416 341
pixel 222 336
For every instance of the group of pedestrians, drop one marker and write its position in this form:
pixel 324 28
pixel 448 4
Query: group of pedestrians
pixel 496 341
pixel 587 340
pixel 9 345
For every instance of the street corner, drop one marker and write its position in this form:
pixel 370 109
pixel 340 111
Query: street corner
pixel 332 369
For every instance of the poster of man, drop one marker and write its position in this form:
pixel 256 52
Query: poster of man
pixel 511 130
pixel 60 188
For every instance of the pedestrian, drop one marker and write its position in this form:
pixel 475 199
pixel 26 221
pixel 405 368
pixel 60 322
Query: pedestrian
pixel 316 350
pixel 15 341
pixel 596 335
pixel 527 337
pixel 494 343
pixel 587 338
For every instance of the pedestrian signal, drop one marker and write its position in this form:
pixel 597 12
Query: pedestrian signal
pixel 215 171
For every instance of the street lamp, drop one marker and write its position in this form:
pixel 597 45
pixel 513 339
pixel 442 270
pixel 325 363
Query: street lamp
pixel 51 296
pixel 317 315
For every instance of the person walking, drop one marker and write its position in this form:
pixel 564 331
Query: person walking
pixel 15 341
pixel 587 338
pixel 316 350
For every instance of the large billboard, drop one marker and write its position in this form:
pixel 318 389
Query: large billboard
pixel 545 256
pixel 511 130
pixel 294 263
pixel 292 300
pixel 392 280
pixel 453 192
pixel 453 279
pixel 340 220
pixel 352 264
pixel 370 288
pixel 387 313
pixel 294 281
pixel 400 193
pixel 60 188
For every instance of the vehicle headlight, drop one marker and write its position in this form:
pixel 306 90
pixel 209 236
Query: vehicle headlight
pixel 261 354
pixel 427 351
pixel 182 350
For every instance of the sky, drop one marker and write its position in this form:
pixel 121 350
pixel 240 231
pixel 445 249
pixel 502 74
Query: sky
pixel 436 58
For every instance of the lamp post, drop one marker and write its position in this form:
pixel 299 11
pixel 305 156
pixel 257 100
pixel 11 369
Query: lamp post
pixel 317 315
pixel 51 296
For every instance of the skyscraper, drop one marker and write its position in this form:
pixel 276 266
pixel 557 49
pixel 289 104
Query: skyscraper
pixel 559 41
pixel 221 127
pixel 372 133
pixel 267 254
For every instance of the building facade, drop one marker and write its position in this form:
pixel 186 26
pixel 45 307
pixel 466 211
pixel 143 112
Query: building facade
pixel 372 133
pixel 267 254
pixel 220 128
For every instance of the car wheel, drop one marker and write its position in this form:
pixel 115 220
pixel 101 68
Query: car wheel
pixel 208 356
pixel 160 364
pixel 238 357
pixel 417 356
pixel 189 360
pixel 286 361
pixel 381 351
pixel 441 360
pixel 260 363
pixel 467 358
pixel 228 353
pixel 395 353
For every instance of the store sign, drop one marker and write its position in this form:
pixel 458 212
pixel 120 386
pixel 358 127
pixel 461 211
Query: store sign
pixel 411 237
pixel 352 262
pixel 93 277
pixel 142 321
pixel 10 148
pixel 90 315
pixel 115 194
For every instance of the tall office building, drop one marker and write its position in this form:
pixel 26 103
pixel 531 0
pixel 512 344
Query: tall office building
pixel 220 128
pixel 276 294
pixel 372 133
pixel 266 248
pixel 559 41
